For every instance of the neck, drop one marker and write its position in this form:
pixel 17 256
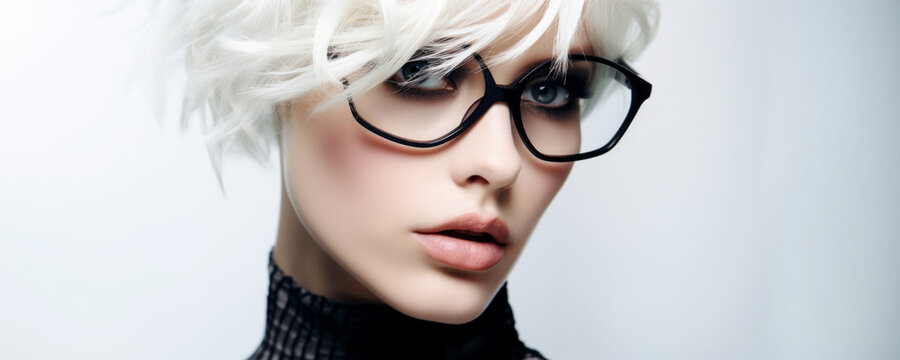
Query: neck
pixel 301 257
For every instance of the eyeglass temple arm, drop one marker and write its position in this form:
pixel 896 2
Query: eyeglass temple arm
pixel 625 65
pixel 621 77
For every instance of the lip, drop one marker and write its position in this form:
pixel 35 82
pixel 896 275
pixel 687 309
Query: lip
pixel 472 241
pixel 475 223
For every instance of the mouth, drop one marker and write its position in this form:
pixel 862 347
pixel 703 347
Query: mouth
pixel 474 242
pixel 469 235
pixel 477 227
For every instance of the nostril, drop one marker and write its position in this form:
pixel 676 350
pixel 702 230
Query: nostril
pixel 477 179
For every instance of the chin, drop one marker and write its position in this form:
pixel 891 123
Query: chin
pixel 450 300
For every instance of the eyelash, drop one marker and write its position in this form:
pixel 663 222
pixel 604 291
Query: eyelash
pixel 419 94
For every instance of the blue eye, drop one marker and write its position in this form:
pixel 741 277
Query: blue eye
pixel 408 76
pixel 546 94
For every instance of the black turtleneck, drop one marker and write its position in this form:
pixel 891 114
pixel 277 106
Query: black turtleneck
pixel 303 325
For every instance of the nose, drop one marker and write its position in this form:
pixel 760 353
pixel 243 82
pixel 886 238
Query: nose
pixel 486 154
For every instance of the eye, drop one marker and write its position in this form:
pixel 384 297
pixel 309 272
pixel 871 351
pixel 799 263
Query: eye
pixel 547 94
pixel 409 77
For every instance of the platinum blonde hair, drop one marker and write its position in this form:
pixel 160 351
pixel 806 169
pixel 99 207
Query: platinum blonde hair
pixel 242 59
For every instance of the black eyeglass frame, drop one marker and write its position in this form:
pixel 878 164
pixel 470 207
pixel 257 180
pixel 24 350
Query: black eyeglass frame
pixel 511 95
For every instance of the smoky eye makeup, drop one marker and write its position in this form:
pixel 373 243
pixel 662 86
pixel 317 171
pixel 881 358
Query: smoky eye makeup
pixel 576 80
pixel 407 83
pixel 415 80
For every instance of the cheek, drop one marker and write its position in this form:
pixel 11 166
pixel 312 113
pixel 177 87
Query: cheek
pixel 328 161
pixel 335 155
pixel 537 185
pixel 352 191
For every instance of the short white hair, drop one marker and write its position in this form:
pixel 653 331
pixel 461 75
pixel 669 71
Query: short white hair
pixel 243 58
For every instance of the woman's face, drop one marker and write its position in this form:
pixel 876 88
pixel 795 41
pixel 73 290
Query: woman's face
pixel 401 220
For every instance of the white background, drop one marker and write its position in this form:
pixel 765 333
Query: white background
pixel 751 212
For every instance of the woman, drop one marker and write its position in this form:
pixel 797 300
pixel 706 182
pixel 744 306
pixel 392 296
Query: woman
pixel 420 143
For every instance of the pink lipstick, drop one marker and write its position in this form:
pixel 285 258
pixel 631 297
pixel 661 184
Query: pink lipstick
pixel 471 241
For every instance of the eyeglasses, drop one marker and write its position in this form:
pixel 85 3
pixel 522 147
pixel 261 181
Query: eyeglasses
pixel 560 116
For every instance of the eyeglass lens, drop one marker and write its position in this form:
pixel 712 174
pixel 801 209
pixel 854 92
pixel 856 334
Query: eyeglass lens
pixel 562 114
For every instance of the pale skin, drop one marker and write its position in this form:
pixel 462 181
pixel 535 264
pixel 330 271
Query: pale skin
pixel 352 201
